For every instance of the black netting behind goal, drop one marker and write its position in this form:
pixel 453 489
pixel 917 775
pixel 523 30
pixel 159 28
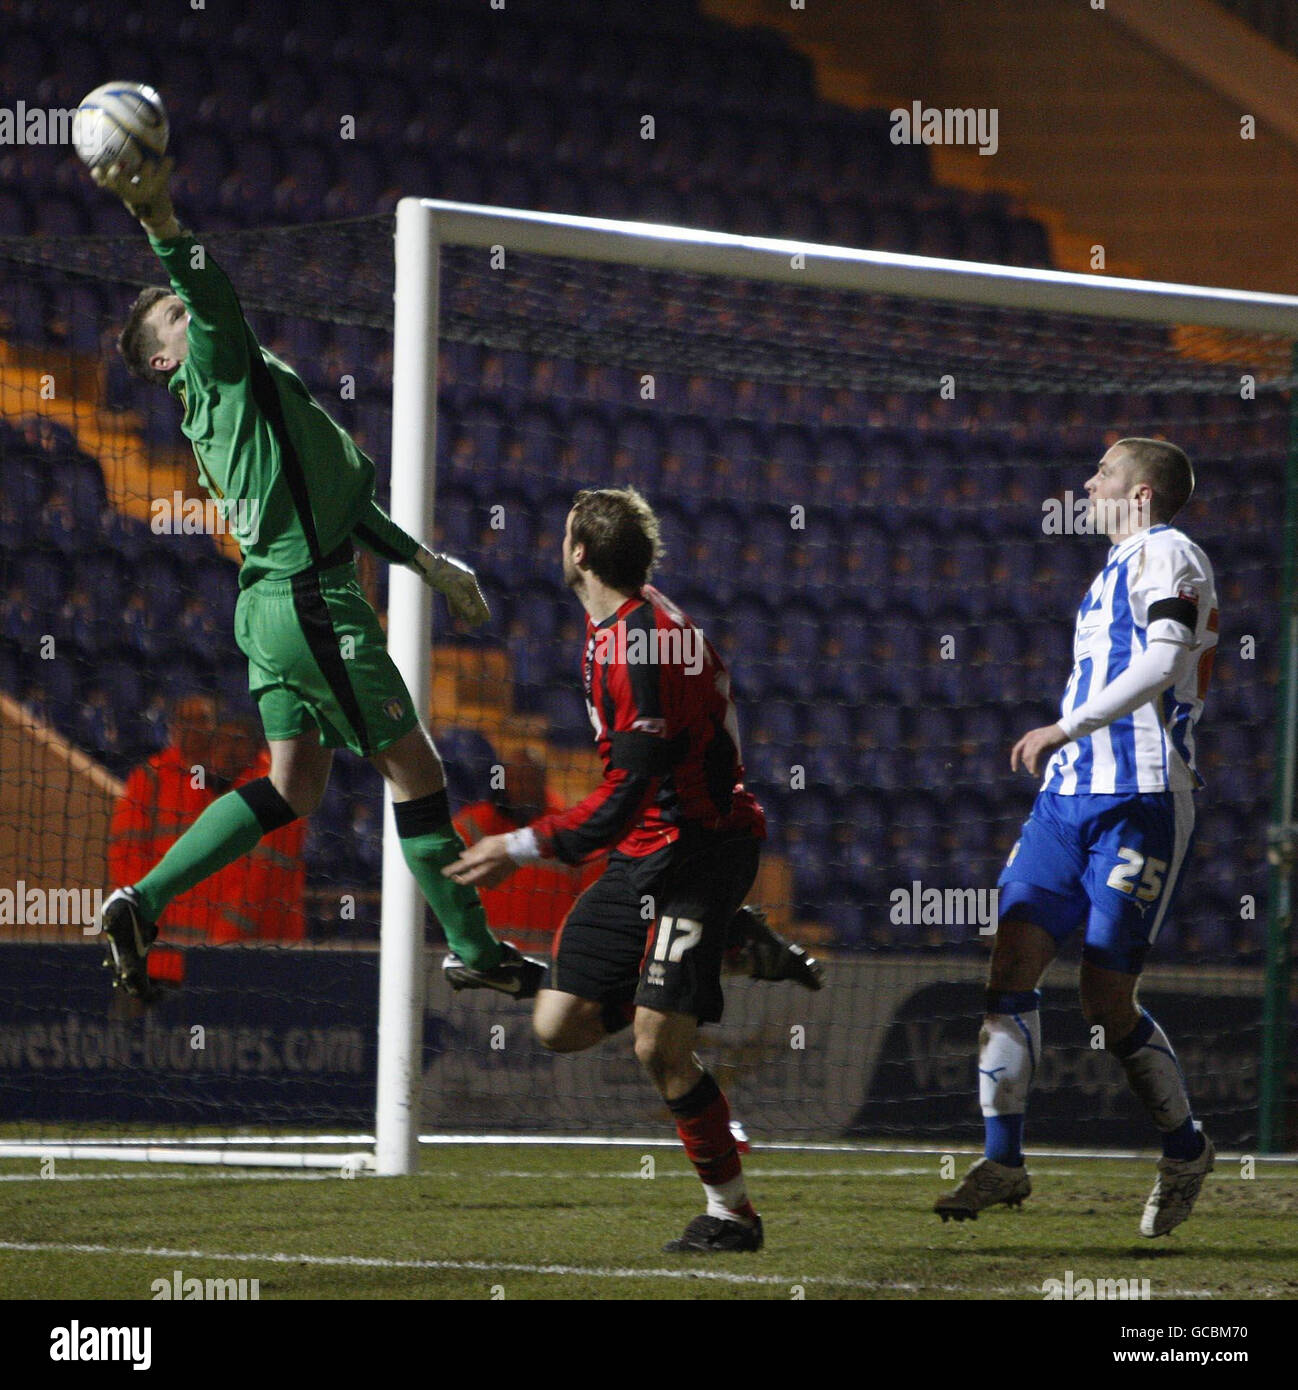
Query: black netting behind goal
pixel 854 492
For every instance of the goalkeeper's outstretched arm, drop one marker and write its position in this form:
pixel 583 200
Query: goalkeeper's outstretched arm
pixel 219 338
pixel 379 534
pixel 221 343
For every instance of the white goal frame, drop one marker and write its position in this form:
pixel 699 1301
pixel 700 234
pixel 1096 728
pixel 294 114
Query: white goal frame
pixel 423 226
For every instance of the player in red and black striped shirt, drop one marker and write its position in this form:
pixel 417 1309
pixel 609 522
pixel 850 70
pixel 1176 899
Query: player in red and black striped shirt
pixel 652 931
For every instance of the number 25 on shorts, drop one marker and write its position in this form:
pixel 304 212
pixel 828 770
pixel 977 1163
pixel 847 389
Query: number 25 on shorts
pixel 1151 880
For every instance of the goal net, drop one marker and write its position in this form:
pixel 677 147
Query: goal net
pixel 868 471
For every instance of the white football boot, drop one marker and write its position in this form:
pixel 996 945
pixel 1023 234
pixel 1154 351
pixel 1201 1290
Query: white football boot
pixel 1175 1190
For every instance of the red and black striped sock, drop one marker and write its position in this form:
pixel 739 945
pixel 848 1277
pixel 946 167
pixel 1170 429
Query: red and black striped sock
pixel 703 1123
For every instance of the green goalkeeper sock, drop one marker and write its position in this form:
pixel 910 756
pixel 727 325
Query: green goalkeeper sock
pixel 429 843
pixel 227 829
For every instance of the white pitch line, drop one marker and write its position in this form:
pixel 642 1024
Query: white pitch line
pixel 161 1174
pixel 187 1175
pixel 509 1267
pixel 576 1175
pixel 608 1141
pixel 454 1266
pixel 749 1172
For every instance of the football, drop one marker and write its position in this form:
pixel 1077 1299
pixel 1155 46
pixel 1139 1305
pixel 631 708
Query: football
pixel 122 122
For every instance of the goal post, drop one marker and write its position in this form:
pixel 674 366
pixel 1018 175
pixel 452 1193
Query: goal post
pixel 414 461
pixel 425 226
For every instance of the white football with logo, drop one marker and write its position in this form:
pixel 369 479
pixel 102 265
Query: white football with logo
pixel 120 122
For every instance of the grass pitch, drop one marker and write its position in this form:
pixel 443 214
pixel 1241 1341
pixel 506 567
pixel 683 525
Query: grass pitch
pixel 549 1222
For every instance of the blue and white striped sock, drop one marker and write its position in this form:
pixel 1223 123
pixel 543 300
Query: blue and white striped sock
pixel 1008 1047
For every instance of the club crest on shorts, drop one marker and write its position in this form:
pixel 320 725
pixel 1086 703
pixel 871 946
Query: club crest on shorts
pixel 393 708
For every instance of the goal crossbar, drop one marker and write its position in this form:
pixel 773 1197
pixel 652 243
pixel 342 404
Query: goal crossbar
pixel 655 246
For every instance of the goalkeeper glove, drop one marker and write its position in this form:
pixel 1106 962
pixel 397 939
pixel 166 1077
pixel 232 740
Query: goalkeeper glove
pixel 456 581
pixel 145 192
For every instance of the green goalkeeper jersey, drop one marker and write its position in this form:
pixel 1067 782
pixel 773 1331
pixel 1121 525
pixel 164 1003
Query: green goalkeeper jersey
pixel 293 484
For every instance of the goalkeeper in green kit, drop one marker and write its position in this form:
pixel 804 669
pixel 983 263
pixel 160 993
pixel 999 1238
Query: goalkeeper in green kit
pixel 318 666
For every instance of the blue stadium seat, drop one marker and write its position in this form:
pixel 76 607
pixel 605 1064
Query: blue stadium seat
pixel 12 677
pixel 457 520
pixel 565 711
pixel 749 627
pixel 591 438
pixel 216 584
pixel 766 769
pixel 60 217
pixel 882 723
pixel 42 575
pixel 507 549
pixel 691 441
pixel 539 436
pixel 639 436
pixel 776 721
pixel 23 482
pixel 811 874
pixel 484 424
pixel 468 757
pixel 798 639
pixel 24 304
pixel 534 667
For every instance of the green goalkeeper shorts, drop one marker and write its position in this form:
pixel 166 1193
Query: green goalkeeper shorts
pixel 317 658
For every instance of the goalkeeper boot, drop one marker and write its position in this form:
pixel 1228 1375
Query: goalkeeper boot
pixel 714 1235
pixel 128 934
pixel 770 957
pixel 516 975
pixel 986 1184
pixel 1175 1190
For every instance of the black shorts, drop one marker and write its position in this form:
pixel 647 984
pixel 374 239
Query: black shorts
pixel 653 930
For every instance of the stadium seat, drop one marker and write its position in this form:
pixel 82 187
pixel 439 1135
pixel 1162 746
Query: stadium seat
pixel 468 757
pixel 568 721
pixel 15 215
pixel 12 678
pixel 216 584
pixel 42 576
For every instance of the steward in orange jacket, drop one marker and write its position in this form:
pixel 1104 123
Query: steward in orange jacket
pixel 258 897
pixel 529 907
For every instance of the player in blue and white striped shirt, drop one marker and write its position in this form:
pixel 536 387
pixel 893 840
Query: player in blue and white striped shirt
pixel 1110 831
